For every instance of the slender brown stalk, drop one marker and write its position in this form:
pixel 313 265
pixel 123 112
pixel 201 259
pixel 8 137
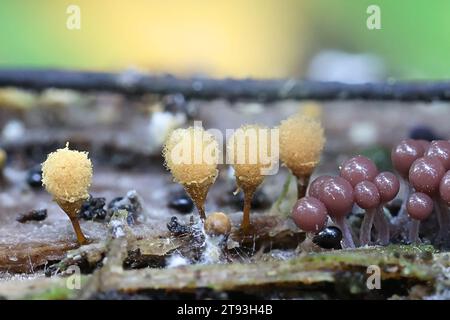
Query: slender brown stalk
pixel 302 185
pixel 248 196
pixel 76 227
pixel 201 211
pixel 198 193
pixel 72 209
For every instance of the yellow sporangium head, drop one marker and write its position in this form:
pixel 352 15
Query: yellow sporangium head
pixel 67 174
pixel 301 143
pixel 249 152
pixel 192 156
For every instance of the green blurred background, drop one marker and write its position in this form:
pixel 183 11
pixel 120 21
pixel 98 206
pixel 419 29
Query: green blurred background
pixel 259 38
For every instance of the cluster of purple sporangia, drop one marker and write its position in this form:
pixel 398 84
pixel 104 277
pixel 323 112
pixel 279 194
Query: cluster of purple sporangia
pixel 424 168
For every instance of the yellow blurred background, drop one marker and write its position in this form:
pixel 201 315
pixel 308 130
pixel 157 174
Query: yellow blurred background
pixel 215 37
pixel 239 38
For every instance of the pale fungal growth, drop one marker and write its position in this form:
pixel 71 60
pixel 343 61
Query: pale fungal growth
pixel 301 143
pixel 246 150
pixel 67 176
pixel 192 156
pixel 217 223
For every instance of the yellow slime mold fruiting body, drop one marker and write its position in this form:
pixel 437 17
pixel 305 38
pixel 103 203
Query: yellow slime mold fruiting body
pixel 301 143
pixel 67 176
pixel 192 156
pixel 244 152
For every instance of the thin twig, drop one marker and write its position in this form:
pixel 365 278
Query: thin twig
pixel 134 83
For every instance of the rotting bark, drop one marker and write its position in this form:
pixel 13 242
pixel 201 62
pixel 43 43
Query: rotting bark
pixel 270 231
pixel 29 257
pixel 412 265
pixel 113 262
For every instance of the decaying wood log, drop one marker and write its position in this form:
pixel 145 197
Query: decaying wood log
pixel 28 257
pixel 306 269
pixel 271 232
pixel 416 264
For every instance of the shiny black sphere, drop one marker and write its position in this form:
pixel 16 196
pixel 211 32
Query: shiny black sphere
pixel 329 238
